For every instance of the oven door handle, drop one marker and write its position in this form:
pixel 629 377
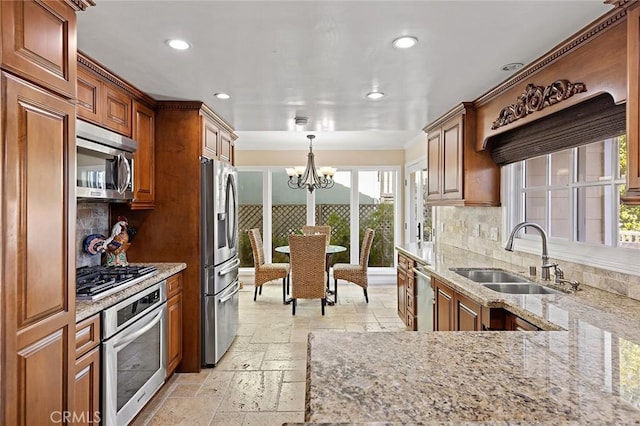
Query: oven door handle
pixel 228 269
pixel 119 344
pixel 233 293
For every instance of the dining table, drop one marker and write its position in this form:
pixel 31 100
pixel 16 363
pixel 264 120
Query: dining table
pixel 329 251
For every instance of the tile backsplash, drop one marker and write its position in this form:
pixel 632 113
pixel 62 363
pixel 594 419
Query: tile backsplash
pixel 479 229
pixel 92 218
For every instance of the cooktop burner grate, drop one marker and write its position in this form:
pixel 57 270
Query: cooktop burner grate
pixel 96 282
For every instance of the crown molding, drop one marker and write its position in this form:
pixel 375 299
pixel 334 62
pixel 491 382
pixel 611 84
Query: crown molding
pixel 80 4
pixel 615 17
pixel 202 108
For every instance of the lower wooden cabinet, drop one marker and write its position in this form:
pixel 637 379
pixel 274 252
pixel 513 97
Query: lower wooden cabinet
pixel 454 311
pixel 406 291
pixel 174 322
pixel 85 406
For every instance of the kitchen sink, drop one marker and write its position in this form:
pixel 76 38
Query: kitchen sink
pixel 488 275
pixel 527 288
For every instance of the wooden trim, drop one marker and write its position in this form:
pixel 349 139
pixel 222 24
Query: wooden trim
pixel 80 4
pixel 116 80
pixel 462 108
pixel 605 22
pixel 203 108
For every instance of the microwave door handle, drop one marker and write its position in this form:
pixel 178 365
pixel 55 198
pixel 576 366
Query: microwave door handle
pixel 127 169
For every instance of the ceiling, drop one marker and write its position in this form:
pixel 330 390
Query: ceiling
pixel 318 59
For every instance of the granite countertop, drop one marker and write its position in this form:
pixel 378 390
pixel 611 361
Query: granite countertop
pixel 586 371
pixel 87 308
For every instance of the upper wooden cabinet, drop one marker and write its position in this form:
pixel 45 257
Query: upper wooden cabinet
pixel 144 195
pixel 103 104
pixel 632 195
pixel 39 43
pixel 457 173
pixel 217 140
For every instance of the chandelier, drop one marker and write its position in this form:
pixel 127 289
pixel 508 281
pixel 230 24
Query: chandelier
pixel 309 177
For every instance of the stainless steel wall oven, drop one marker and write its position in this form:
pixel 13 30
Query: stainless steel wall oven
pixel 134 353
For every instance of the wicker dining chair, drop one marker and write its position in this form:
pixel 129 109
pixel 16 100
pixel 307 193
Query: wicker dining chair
pixel 318 229
pixel 308 269
pixel 356 274
pixel 265 272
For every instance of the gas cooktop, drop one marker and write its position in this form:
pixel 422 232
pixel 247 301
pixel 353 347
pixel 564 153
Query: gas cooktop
pixel 97 282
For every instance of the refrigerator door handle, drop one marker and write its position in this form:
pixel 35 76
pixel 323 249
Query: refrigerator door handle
pixel 230 268
pixel 235 291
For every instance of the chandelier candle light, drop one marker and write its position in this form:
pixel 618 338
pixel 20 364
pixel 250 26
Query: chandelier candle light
pixel 309 177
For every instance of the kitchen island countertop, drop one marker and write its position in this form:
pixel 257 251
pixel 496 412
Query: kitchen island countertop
pixel 87 308
pixel 585 373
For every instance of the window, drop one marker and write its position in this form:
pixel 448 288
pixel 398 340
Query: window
pixel 574 195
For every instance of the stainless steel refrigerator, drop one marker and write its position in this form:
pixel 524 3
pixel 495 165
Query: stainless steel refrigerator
pixel 220 263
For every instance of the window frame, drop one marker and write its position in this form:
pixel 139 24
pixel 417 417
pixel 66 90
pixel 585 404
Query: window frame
pixel 619 259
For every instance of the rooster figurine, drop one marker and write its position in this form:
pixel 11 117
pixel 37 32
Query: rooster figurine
pixel 118 243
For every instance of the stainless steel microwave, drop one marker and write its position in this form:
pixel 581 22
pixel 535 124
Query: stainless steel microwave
pixel 105 167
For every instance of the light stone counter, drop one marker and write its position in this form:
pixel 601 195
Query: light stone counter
pixel 587 373
pixel 87 308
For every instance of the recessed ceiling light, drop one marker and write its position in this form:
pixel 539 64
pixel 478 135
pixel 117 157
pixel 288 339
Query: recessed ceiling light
pixel 375 95
pixel 221 95
pixel 178 44
pixel 512 67
pixel 405 42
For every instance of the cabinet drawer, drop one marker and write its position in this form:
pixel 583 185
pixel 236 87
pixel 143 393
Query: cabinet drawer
pixel 411 284
pixel 403 262
pixel 87 334
pixel 174 285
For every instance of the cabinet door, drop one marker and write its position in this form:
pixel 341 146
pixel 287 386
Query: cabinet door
pixel 210 136
pixel 402 294
pixel 433 166
pixel 144 157
pixel 174 333
pixel 116 110
pixel 467 314
pixel 39 43
pixel 38 206
pixel 89 105
pixel 86 404
pixel 226 147
pixel 515 323
pixel 444 307
pixel 452 166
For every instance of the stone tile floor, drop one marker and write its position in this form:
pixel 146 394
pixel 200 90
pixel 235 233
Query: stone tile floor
pixel 261 379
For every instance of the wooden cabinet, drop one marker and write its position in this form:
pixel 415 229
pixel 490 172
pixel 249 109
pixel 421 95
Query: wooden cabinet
pixel 39 43
pixel 445 307
pixel 103 103
pixel 632 195
pixel 457 173
pixel 144 196
pixel 406 291
pixel 468 314
pixel 37 139
pixel 174 322
pixel 217 142
pixel 455 311
pixel 86 404
pixel 210 137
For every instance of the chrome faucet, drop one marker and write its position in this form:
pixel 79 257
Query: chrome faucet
pixel 546 266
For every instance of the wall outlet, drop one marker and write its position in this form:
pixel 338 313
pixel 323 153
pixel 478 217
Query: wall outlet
pixel 476 230
pixel 493 234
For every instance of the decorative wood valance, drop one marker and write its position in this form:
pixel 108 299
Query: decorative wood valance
pixel 536 98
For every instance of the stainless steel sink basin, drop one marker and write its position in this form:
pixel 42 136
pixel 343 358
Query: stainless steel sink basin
pixel 527 288
pixel 488 275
